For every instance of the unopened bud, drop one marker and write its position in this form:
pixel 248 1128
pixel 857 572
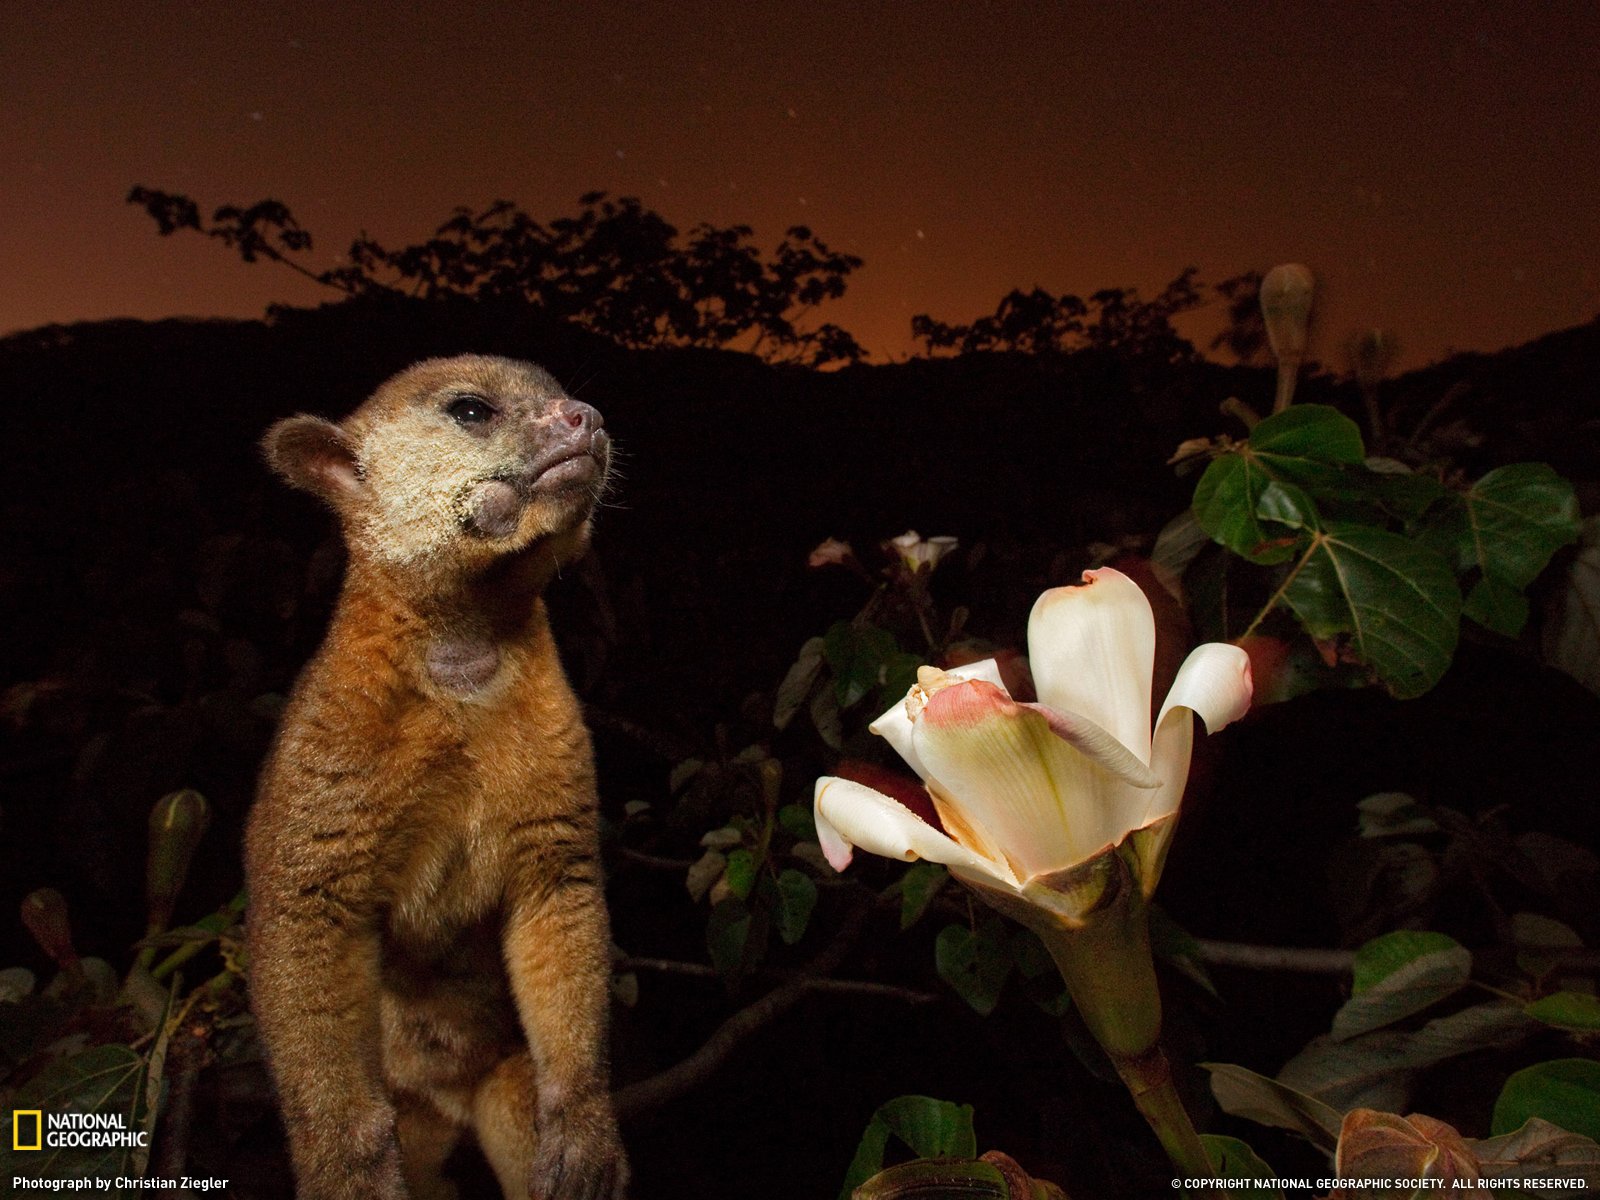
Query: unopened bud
pixel 177 822
pixel 1373 354
pixel 44 913
pixel 1286 307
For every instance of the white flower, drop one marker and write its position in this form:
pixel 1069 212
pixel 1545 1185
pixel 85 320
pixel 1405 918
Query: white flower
pixel 1030 795
pixel 918 552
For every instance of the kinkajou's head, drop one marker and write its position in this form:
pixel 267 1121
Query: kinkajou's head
pixel 454 462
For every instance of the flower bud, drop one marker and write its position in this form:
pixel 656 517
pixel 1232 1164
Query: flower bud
pixel 1372 354
pixel 1286 306
pixel 177 822
pixel 44 913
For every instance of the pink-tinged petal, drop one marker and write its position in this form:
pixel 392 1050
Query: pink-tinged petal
pixel 1095 743
pixel 1014 784
pixel 894 726
pixel 1092 649
pixel 849 815
pixel 1214 682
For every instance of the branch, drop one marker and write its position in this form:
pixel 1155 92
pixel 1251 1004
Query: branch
pixel 1577 959
pixel 664 745
pixel 640 1097
pixel 813 983
pixel 1275 958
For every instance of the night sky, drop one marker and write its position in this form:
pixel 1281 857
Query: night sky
pixel 1437 164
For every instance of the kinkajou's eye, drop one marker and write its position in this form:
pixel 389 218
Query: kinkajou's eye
pixel 470 410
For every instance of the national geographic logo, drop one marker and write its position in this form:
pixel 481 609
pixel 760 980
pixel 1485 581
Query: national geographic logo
pixel 19 1119
pixel 34 1129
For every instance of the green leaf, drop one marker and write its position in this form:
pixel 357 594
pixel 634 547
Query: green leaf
pixel 1540 941
pixel 1384 955
pixel 1243 1093
pixel 1497 606
pixel 741 872
pixel 1174 945
pixel 937 1179
pixel 932 1128
pixel 974 962
pixel 899 673
pixel 1375 1070
pixel 104 1079
pixel 1233 1159
pixel 1575 1011
pixel 918 887
pixel 1309 444
pixel 858 656
pixel 1540 1150
pixel 1507 525
pixel 1399 974
pixel 1390 814
pixel 797 897
pixel 734 938
pixel 1565 1092
pixel 1040 975
pixel 1397 600
pixel 797 684
pixel 798 822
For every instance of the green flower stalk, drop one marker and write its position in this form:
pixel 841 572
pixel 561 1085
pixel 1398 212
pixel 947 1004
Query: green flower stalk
pixel 1059 813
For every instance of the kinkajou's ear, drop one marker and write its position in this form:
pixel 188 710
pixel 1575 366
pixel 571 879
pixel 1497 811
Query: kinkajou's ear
pixel 316 456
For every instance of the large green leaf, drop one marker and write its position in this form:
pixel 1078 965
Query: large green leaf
pixel 1399 974
pixel 797 897
pixel 1397 601
pixel 918 887
pixel 1565 1092
pixel 975 962
pixel 1578 1012
pixel 106 1080
pixel 1506 526
pixel 1542 1155
pixel 932 1128
pixel 1375 1069
pixel 860 657
pixel 1310 445
pixel 1243 1093
pixel 1234 1159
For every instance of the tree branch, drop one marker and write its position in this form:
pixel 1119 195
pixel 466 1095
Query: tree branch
pixel 813 983
pixel 640 1097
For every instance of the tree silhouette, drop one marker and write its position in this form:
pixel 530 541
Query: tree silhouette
pixel 616 268
pixel 1246 334
pixel 1113 319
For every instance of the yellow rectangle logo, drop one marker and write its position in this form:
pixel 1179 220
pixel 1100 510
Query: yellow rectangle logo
pixel 16 1128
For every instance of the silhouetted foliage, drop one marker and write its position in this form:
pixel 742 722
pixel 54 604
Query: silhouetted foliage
pixel 1112 319
pixel 616 268
pixel 1246 334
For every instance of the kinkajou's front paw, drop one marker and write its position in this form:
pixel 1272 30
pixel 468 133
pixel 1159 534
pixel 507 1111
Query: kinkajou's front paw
pixel 580 1155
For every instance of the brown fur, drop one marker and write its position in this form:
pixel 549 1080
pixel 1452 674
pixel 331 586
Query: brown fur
pixel 429 947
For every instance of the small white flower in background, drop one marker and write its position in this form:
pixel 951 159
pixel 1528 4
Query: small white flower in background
pixel 1029 794
pixel 831 552
pixel 918 552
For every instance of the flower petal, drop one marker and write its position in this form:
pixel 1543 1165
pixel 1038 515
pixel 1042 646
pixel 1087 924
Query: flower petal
pixel 1092 649
pixel 1013 784
pixel 1214 681
pixel 895 725
pixel 849 814
pixel 1089 739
